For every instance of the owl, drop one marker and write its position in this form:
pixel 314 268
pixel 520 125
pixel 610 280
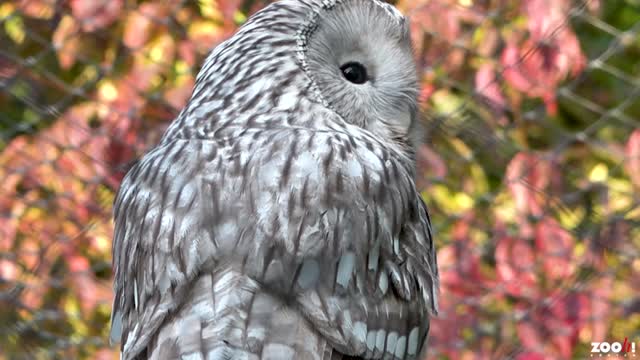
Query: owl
pixel 278 216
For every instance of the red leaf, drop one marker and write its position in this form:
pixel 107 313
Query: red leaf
pixel 178 96
pixel 78 263
pixel 541 331
pixel 572 307
pixel 529 334
pixel 552 53
pixel 545 17
pixel 136 30
pixel 555 246
pixel 515 267
pixel 600 299
pixel 229 8
pixel 426 92
pixel 67 41
pixel 84 283
pixel 187 52
pixel 527 177
pixel 530 355
pixel 430 165
pixel 42 9
pixel 140 22
pixel 444 18
pixel 459 263
pixel 456 315
pixel 96 14
pixel 486 84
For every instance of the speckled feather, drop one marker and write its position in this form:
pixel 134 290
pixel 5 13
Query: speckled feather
pixel 278 217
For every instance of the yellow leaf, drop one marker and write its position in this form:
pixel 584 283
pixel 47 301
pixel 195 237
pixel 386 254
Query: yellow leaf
pixel 102 243
pixel 461 148
pixel 239 18
pixel 480 183
pixel 599 173
pixel 209 9
pixel 74 315
pixel 445 102
pixel 468 333
pixel 71 307
pixel 105 196
pixel 624 326
pixel 34 213
pixel 88 74
pixel 203 28
pixel 621 194
pixel 182 68
pixel 586 335
pixel 463 201
pixel 633 214
pixel 15 28
pixel 579 250
pixel 571 218
pixel 107 91
pixel 451 202
pixel 504 207
pixel 6 10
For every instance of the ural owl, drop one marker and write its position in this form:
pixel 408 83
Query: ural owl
pixel 278 217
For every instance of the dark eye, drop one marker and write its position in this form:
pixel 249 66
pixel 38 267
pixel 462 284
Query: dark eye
pixel 354 72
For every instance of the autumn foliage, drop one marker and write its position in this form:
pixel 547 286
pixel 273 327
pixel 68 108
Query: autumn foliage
pixel 531 163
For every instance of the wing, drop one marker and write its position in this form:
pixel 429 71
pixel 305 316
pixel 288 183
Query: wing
pixel 379 287
pixel 157 244
pixel 322 229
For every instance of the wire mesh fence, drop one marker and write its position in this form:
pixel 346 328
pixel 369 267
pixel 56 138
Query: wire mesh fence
pixel 531 163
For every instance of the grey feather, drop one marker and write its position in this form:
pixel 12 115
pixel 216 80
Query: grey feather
pixel 278 216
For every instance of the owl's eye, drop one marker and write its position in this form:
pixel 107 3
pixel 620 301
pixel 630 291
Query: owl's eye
pixel 354 72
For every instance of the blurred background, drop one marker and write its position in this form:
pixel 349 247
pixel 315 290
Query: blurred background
pixel 531 167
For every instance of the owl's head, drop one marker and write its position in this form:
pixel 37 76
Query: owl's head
pixel 359 54
pixel 355 55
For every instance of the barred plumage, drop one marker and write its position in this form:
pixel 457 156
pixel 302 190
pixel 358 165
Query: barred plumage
pixel 278 217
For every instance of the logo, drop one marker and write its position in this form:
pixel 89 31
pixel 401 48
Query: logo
pixel 627 348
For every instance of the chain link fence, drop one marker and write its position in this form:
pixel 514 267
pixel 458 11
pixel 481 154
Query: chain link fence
pixel 531 163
